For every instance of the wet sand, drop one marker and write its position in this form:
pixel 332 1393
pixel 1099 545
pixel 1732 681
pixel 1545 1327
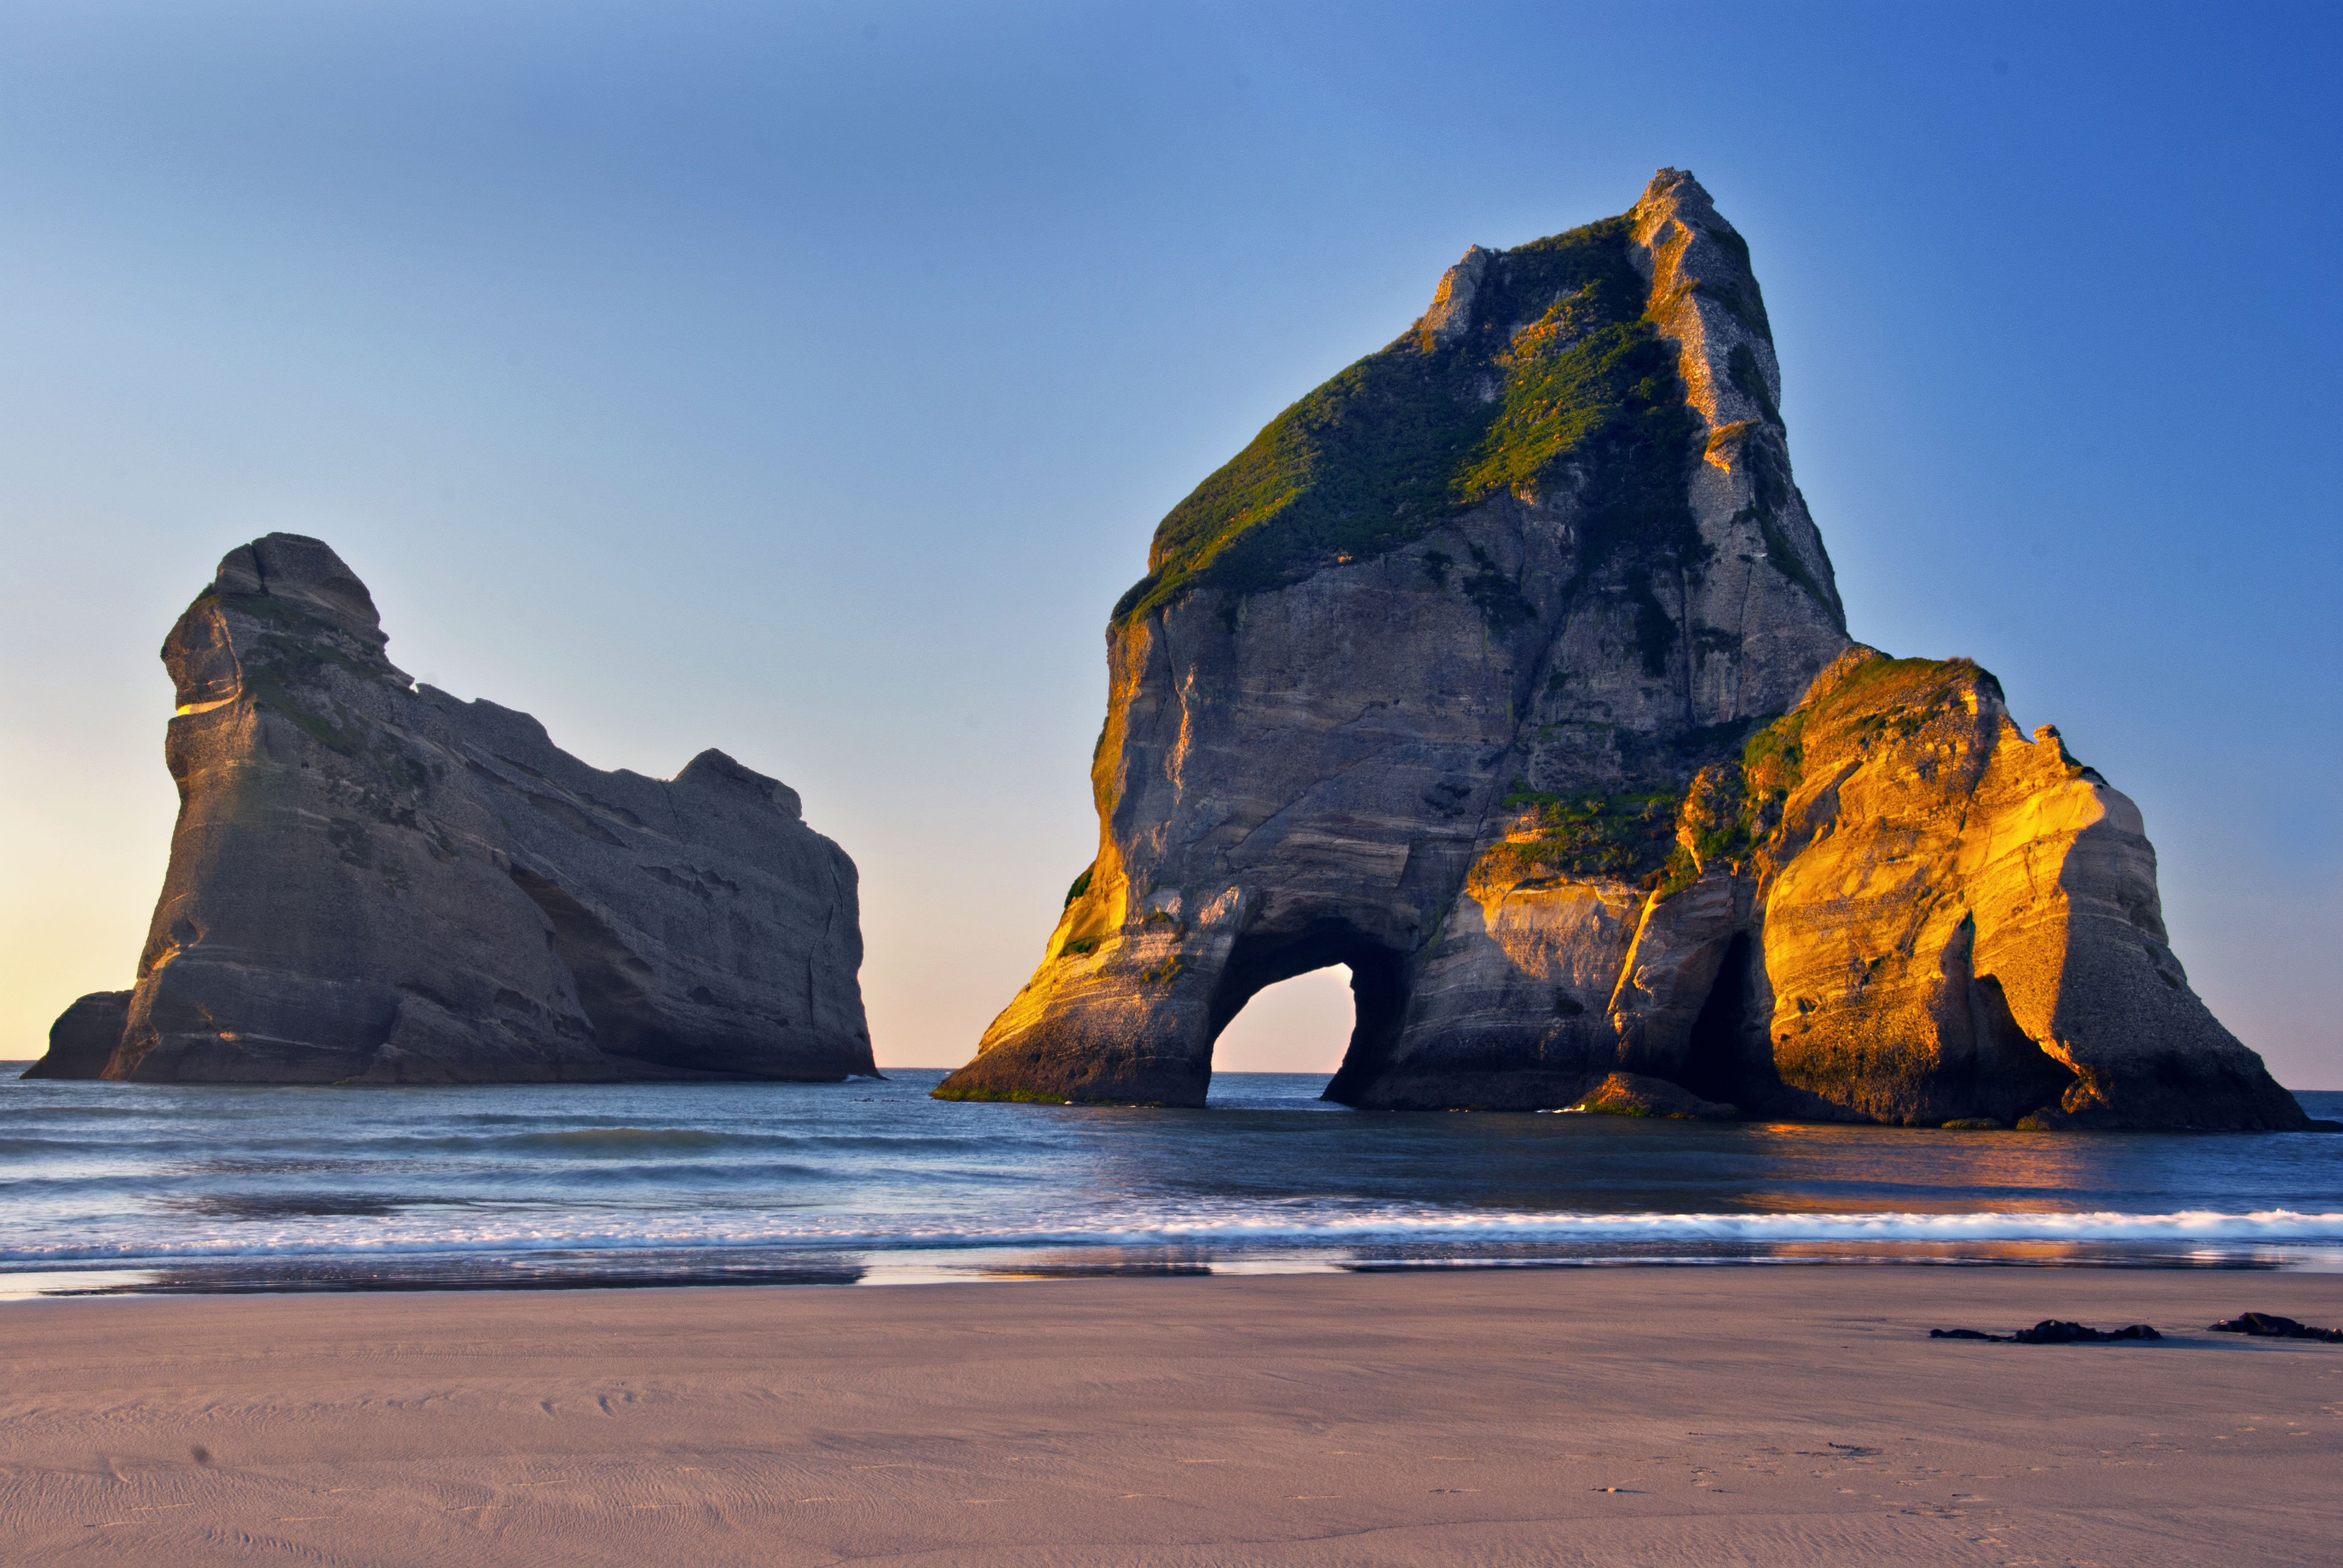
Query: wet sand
pixel 1655 1416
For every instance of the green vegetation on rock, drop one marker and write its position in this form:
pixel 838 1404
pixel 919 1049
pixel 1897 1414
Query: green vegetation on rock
pixel 1735 806
pixel 1590 835
pixel 1558 382
pixel 1735 802
pixel 1894 697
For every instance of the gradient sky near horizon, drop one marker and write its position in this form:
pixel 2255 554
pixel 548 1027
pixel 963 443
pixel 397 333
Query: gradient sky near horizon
pixel 806 380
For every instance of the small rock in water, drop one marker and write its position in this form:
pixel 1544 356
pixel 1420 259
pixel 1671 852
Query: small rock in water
pixel 2053 1331
pixel 1632 1095
pixel 2269 1325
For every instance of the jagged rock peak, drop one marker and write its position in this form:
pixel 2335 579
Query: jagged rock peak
pixel 1705 299
pixel 378 883
pixel 1540 372
pixel 1451 316
pixel 1703 296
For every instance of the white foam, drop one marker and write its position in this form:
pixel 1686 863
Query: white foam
pixel 535 1232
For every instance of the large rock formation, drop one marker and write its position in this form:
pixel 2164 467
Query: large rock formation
pixel 377 882
pixel 1507 668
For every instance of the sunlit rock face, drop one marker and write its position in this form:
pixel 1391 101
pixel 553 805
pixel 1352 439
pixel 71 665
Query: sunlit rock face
pixel 1508 669
pixel 375 882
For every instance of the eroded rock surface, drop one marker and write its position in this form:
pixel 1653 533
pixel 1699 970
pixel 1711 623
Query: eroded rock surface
pixel 376 882
pixel 1508 669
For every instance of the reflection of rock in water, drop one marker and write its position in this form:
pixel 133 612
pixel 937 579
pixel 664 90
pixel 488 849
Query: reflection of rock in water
pixel 1507 671
pixel 374 882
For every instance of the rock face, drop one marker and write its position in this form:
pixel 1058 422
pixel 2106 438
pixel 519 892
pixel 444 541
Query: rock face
pixel 371 882
pixel 1507 670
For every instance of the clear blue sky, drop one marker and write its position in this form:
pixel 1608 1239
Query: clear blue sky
pixel 806 380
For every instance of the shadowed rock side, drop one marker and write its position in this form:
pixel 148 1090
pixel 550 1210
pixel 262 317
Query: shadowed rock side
pixel 1507 670
pixel 380 883
pixel 82 1040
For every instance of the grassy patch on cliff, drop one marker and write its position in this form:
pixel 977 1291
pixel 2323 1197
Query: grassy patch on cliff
pixel 1410 436
pixel 1737 801
pixel 1736 806
pixel 1623 836
pixel 1898 694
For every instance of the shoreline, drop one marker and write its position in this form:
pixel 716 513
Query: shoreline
pixel 1648 1414
pixel 315 1277
pixel 1064 1264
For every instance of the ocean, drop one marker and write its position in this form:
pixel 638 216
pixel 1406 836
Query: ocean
pixel 139 1188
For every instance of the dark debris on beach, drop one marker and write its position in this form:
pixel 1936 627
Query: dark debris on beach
pixel 2270 1326
pixel 2053 1331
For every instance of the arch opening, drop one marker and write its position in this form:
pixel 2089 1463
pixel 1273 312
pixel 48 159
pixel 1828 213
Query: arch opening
pixel 1298 1025
pixel 1729 1038
pixel 1378 991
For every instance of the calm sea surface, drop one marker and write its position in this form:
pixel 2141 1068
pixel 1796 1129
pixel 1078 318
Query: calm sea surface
pixel 110 1186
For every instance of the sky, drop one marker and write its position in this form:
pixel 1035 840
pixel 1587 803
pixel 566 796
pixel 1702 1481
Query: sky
pixel 808 380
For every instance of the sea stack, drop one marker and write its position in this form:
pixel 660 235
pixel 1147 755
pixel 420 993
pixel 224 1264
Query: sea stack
pixel 1507 668
pixel 376 882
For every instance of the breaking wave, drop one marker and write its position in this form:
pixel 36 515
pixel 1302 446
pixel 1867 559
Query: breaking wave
pixel 470 1232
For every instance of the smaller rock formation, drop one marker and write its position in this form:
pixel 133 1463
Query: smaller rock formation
pixel 82 1040
pixel 1632 1095
pixel 376 882
pixel 2053 1331
pixel 2270 1326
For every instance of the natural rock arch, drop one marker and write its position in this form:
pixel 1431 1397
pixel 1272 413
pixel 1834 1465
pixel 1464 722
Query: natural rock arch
pixel 1511 661
pixel 1378 995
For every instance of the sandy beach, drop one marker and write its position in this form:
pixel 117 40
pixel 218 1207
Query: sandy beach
pixel 1656 1416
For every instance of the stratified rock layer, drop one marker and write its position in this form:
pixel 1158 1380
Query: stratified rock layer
pixel 1508 669
pixel 375 882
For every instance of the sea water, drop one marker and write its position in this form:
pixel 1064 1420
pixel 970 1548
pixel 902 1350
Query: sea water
pixel 109 1187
